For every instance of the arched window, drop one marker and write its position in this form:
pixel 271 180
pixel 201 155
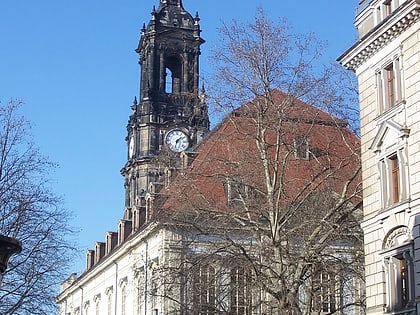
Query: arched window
pixel 204 290
pixel 140 289
pixel 97 301
pixel 168 81
pixel 86 307
pixel 123 299
pixel 98 308
pixel 109 295
pixel 173 74
pixel 240 291
pixel 399 269
pixel 110 304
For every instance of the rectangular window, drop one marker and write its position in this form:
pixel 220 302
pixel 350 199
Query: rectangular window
pixel 395 178
pixel 389 86
pixel 391 174
pixel 387 8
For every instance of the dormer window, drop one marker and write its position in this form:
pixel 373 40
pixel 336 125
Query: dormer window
pixel 301 148
pixel 236 192
pixel 239 193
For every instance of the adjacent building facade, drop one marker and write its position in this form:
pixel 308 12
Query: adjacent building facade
pixel 386 60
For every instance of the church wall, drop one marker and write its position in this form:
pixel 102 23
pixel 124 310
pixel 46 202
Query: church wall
pixel 122 268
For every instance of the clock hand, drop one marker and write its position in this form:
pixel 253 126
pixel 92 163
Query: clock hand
pixel 178 141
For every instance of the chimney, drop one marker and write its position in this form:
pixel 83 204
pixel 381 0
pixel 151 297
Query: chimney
pixel 90 258
pixel 99 251
pixel 124 230
pixel 111 241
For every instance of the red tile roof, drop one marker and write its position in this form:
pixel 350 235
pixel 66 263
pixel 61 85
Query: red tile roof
pixel 231 151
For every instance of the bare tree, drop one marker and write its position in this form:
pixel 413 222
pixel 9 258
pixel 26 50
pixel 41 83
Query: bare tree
pixel 30 212
pixel 269 211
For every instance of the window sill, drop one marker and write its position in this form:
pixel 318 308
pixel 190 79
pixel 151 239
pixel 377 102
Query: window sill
pixel 400 206
pixel 390 112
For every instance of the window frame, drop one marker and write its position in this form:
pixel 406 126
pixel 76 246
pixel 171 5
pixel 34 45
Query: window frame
pixel 327 297
pixel 393 177
pixel 301 148
pixel 384 9
pixel 204 285
pixel 389 85
pixel 240 291
pixel 141 287
pixel 400 287
pixel 109 304
pixel 124 300
pixel 98 307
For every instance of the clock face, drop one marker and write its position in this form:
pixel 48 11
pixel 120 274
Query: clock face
pixel 177 141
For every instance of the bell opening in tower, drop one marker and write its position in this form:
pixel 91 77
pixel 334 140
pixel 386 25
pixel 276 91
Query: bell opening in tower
pixel 173 72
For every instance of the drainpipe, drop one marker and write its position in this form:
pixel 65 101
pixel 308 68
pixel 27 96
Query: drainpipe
pixel 81 301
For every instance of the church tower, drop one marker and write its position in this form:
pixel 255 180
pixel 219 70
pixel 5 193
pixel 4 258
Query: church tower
pixel 171 114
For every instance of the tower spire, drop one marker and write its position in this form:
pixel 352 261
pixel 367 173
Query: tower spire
pixel 170 114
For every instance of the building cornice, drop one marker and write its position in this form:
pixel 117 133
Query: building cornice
pixel 121 250
pixel 404 17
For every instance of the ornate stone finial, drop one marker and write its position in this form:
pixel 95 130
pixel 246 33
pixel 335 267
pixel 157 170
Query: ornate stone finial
pixel 196 18
pixel 153 13
pixel 143 29
pixel 202 95
pixel 135 103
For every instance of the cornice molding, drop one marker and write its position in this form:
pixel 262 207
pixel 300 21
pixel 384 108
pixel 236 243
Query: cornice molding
pixel 381 35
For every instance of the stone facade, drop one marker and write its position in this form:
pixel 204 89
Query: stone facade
pixel 386 60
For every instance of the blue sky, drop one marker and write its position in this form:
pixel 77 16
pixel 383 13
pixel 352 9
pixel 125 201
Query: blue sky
pixel 73 64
